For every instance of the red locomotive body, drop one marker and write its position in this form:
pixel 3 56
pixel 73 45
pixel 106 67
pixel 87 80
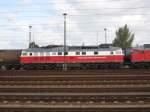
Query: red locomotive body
pixel 140 56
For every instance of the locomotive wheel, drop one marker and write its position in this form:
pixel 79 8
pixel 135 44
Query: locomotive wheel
pixel 112 66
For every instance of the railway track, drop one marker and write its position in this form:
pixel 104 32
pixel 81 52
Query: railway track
pixel 101 90
pixel 74 77
pixel 77 72
pixel 99 82
pixel 76 88
pixel 70 95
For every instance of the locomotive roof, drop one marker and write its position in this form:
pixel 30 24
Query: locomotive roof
pixel 144 47
pixel 71 48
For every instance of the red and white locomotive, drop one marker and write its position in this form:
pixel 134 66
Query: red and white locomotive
pixel 103 56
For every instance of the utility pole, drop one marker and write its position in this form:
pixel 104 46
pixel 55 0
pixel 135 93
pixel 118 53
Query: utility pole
pixel 65 61
pixel 30 35
pixel 33 40
pixel 105 35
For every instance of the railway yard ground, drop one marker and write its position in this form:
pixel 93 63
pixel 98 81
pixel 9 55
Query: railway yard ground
pixel 122 90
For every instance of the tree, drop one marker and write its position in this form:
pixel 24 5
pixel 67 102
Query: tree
pixel 33 45
pixel 124 38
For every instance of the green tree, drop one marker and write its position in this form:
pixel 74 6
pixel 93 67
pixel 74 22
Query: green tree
pixel 124 38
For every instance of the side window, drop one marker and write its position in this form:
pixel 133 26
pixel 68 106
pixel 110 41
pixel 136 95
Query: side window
pixel 66 53
pixel 59 53
pixel 77 53
pixel 95 53
pixel 83 53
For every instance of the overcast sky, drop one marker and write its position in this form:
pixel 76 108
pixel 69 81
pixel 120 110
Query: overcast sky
pixel 86 20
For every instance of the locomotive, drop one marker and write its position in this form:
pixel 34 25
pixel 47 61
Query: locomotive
pixel 140 56
pixel 84 57
pixel 102 56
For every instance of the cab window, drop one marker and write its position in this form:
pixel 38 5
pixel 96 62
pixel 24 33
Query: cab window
pixel 24 54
